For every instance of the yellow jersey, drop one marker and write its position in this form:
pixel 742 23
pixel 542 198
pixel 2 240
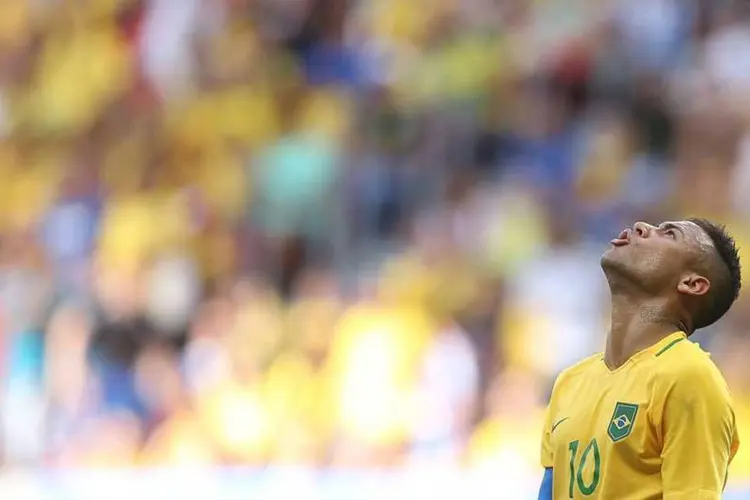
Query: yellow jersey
pixel 659 426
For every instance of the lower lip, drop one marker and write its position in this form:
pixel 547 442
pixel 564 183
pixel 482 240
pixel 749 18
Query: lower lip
pixel 619 242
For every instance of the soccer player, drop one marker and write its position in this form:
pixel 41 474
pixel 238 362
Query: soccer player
pixel 651 417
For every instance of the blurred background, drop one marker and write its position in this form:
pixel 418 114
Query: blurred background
pixel 338 248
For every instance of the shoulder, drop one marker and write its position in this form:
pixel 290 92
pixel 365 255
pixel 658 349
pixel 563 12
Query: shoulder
pixel 583 367
pixel 685 359
pixel 685 382
pixel 687 366
pixel 564 388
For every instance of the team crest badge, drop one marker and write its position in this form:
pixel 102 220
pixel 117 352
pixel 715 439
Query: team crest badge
pixel 622 422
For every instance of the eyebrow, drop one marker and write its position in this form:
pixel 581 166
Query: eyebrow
pixel 671 225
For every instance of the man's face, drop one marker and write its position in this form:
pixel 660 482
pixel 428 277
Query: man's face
pixel 656 257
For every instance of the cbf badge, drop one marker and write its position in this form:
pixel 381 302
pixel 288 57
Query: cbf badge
pixel 623 420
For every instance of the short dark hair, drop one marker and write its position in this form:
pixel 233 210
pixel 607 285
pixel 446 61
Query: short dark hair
pixel 725 274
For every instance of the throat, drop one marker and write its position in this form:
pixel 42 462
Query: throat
pixel 635 327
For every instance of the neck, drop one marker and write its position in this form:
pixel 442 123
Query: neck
pixel 637 323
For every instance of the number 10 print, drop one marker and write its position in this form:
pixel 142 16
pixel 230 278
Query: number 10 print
pixel 576 473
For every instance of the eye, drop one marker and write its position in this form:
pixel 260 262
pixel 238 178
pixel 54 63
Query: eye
pixel 671 233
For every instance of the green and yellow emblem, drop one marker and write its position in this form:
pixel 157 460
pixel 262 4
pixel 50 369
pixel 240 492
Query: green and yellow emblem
pixel 622 422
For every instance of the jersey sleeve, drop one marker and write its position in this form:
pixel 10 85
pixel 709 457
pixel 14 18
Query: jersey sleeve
pixel 698 435
pixel 547 453
pixel 547 457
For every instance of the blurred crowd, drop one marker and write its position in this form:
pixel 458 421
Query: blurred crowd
pixel 341 233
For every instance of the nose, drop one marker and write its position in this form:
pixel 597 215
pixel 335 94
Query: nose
pixel 643 229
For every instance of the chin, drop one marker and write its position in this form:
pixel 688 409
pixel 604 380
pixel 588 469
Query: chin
pixel 609 256
pixel 612 260
pixel 620 270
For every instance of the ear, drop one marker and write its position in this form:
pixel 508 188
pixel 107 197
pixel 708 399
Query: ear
pixel 694 285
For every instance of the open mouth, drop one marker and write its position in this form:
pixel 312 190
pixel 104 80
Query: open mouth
pixel 622 239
